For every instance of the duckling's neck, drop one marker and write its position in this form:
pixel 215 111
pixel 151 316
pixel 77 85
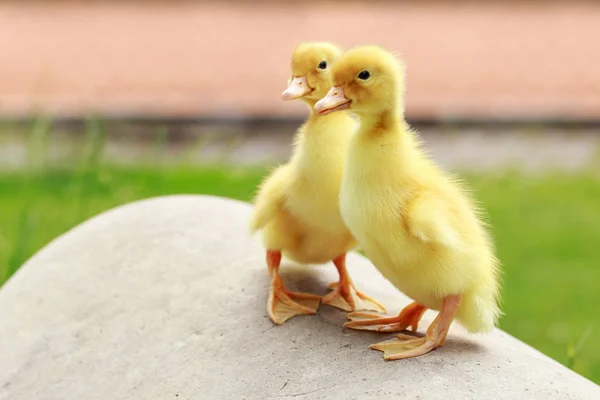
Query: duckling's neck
pixel 380 124
pixel 317 125
pixel 321 142
pixel 311 105
pixel 387 137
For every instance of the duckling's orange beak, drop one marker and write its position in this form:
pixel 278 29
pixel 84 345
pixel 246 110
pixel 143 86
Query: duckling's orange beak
pixel 334 101
pixel 298 87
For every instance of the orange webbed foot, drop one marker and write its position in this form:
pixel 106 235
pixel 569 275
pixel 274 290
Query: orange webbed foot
pixel 408 317
pixel 407 346
pixel 283 305
pixel 345 296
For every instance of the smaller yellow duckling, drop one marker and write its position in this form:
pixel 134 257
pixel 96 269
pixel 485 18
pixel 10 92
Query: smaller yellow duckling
pixel 415 222
pixel 297 206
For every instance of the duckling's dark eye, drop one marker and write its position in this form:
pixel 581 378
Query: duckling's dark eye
pixel 322 65
pixel 364 75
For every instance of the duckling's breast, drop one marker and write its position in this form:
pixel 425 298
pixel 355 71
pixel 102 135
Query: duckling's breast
pixel 371 205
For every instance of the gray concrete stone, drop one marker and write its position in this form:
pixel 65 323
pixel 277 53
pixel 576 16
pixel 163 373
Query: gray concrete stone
pixel 165 299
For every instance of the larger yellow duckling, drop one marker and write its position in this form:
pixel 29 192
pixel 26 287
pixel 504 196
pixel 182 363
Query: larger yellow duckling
pixel 415 222
pixel 297 206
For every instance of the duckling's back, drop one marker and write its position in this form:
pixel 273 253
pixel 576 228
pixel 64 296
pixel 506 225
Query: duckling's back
pixel 479 311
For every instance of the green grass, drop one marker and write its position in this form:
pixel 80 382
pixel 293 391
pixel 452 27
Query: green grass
pixel 547 235
pixel 34 210
pixel 546 229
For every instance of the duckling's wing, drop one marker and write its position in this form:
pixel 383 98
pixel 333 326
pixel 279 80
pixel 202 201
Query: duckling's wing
pixel 428 219
pixel 270 197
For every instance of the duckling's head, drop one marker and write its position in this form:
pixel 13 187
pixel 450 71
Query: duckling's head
pixel 366 80
pixel 311 71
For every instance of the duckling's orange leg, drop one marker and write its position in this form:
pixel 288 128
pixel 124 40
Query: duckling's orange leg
pixel 283 305
pixel 345 295
pixel 409 316
pixel 406 346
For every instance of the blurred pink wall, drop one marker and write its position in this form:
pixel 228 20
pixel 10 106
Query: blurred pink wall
pixel 464 60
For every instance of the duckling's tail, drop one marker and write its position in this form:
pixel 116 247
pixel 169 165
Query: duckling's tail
pixel 479 311
pixel 261 216
pixel 269 199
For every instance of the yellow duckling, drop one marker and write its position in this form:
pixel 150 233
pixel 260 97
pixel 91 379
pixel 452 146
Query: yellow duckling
pixel 415 222
pixel 297 206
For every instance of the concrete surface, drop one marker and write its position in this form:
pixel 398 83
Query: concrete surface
pixel 466 59
pixel 165 299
